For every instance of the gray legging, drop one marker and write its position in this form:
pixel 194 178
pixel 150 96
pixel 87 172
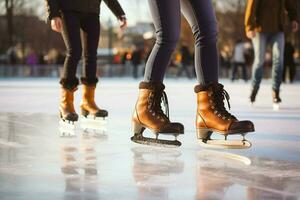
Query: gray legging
pixel 166 18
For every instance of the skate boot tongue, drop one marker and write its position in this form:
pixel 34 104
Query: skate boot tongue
pixel 219 95
pixel 158 97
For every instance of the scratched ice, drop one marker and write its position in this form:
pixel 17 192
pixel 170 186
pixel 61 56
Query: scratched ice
pixel 36 163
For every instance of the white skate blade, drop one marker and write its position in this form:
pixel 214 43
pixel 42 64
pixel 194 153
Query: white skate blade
pixel 66 129
pixel 226 144
pixel 275 106
pixel 91 123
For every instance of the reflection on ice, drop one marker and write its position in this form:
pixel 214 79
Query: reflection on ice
pixel 79 166
pixel 153 169
pixel 263 179
pixel 94 164
pixel 87 126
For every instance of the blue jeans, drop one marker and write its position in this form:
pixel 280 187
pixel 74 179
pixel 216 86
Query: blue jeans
pixel 201 17
pixel 260 42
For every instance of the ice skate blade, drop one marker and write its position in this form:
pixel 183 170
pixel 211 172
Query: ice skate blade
pixel 226 144
pixel 93 124
pixel 155 142
pixel 92 120
pixel 275 106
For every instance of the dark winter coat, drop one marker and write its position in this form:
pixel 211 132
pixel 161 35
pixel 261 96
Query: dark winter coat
pixel 268 15
pixel 185 56
pixel 53 7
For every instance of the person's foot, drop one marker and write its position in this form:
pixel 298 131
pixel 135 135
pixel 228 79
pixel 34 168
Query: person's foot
pixel 253 94
pixel 66 106
pixel 212 114
pixel 149 114
pixel 88 105
pixel 275 96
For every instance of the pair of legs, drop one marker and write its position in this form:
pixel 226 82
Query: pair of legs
pixel 80 33
pixel 184 68
pixel 166 16
pixel 235 68
pixel 211 112
pixel 260 42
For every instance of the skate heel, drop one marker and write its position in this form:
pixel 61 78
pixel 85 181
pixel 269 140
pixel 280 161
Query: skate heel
pixel 137 128
pixel 203 133
pixel 84 112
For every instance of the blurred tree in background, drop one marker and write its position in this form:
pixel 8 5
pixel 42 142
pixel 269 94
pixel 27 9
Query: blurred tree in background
pixel 22 24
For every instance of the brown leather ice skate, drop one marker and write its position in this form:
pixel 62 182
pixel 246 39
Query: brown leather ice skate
pixel 66 107
pixel 212 116
pixel 148 114
pixel 88 105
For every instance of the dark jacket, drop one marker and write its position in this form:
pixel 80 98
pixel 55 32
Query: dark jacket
pixel 185 56
pixel 53 7
pixel 268 15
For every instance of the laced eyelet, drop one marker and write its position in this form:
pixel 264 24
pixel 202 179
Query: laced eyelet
pixel 219 115
pixel 215 112
pixel 224 118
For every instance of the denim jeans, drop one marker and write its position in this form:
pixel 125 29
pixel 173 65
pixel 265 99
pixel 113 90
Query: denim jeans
pixel 260 42
pixel 201 17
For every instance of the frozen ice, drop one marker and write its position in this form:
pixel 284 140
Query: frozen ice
pixel 37 162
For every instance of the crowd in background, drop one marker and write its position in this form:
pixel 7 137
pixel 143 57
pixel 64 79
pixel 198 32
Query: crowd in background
pixel 234 64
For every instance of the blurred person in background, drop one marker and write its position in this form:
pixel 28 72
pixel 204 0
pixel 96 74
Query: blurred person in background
pixel 225 63
pixel 186 59
pixel 238 60
pixel 32 61
pixel 78 22
pixel 136 60
pixel 264 21
pixel 12 55
pixel 289 62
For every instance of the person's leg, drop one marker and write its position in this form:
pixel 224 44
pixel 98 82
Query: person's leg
pixel 166 19
pixel 212 115
pixel 259 45
pixel 135 71
pixel 244 69
pixel 69 81
pixel 71 37
pixel 180 70
pixel 285 68
pixel 186 69
pixel 148 112
pixel 202 19
pixel 90 26
pixel 277 42
pixel 292 70
pixel 234 69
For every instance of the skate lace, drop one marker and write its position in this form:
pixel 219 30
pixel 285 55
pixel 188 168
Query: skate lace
pixel 159 97
pixel 219 97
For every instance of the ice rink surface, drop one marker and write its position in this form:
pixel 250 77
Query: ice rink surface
pixel 36 163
